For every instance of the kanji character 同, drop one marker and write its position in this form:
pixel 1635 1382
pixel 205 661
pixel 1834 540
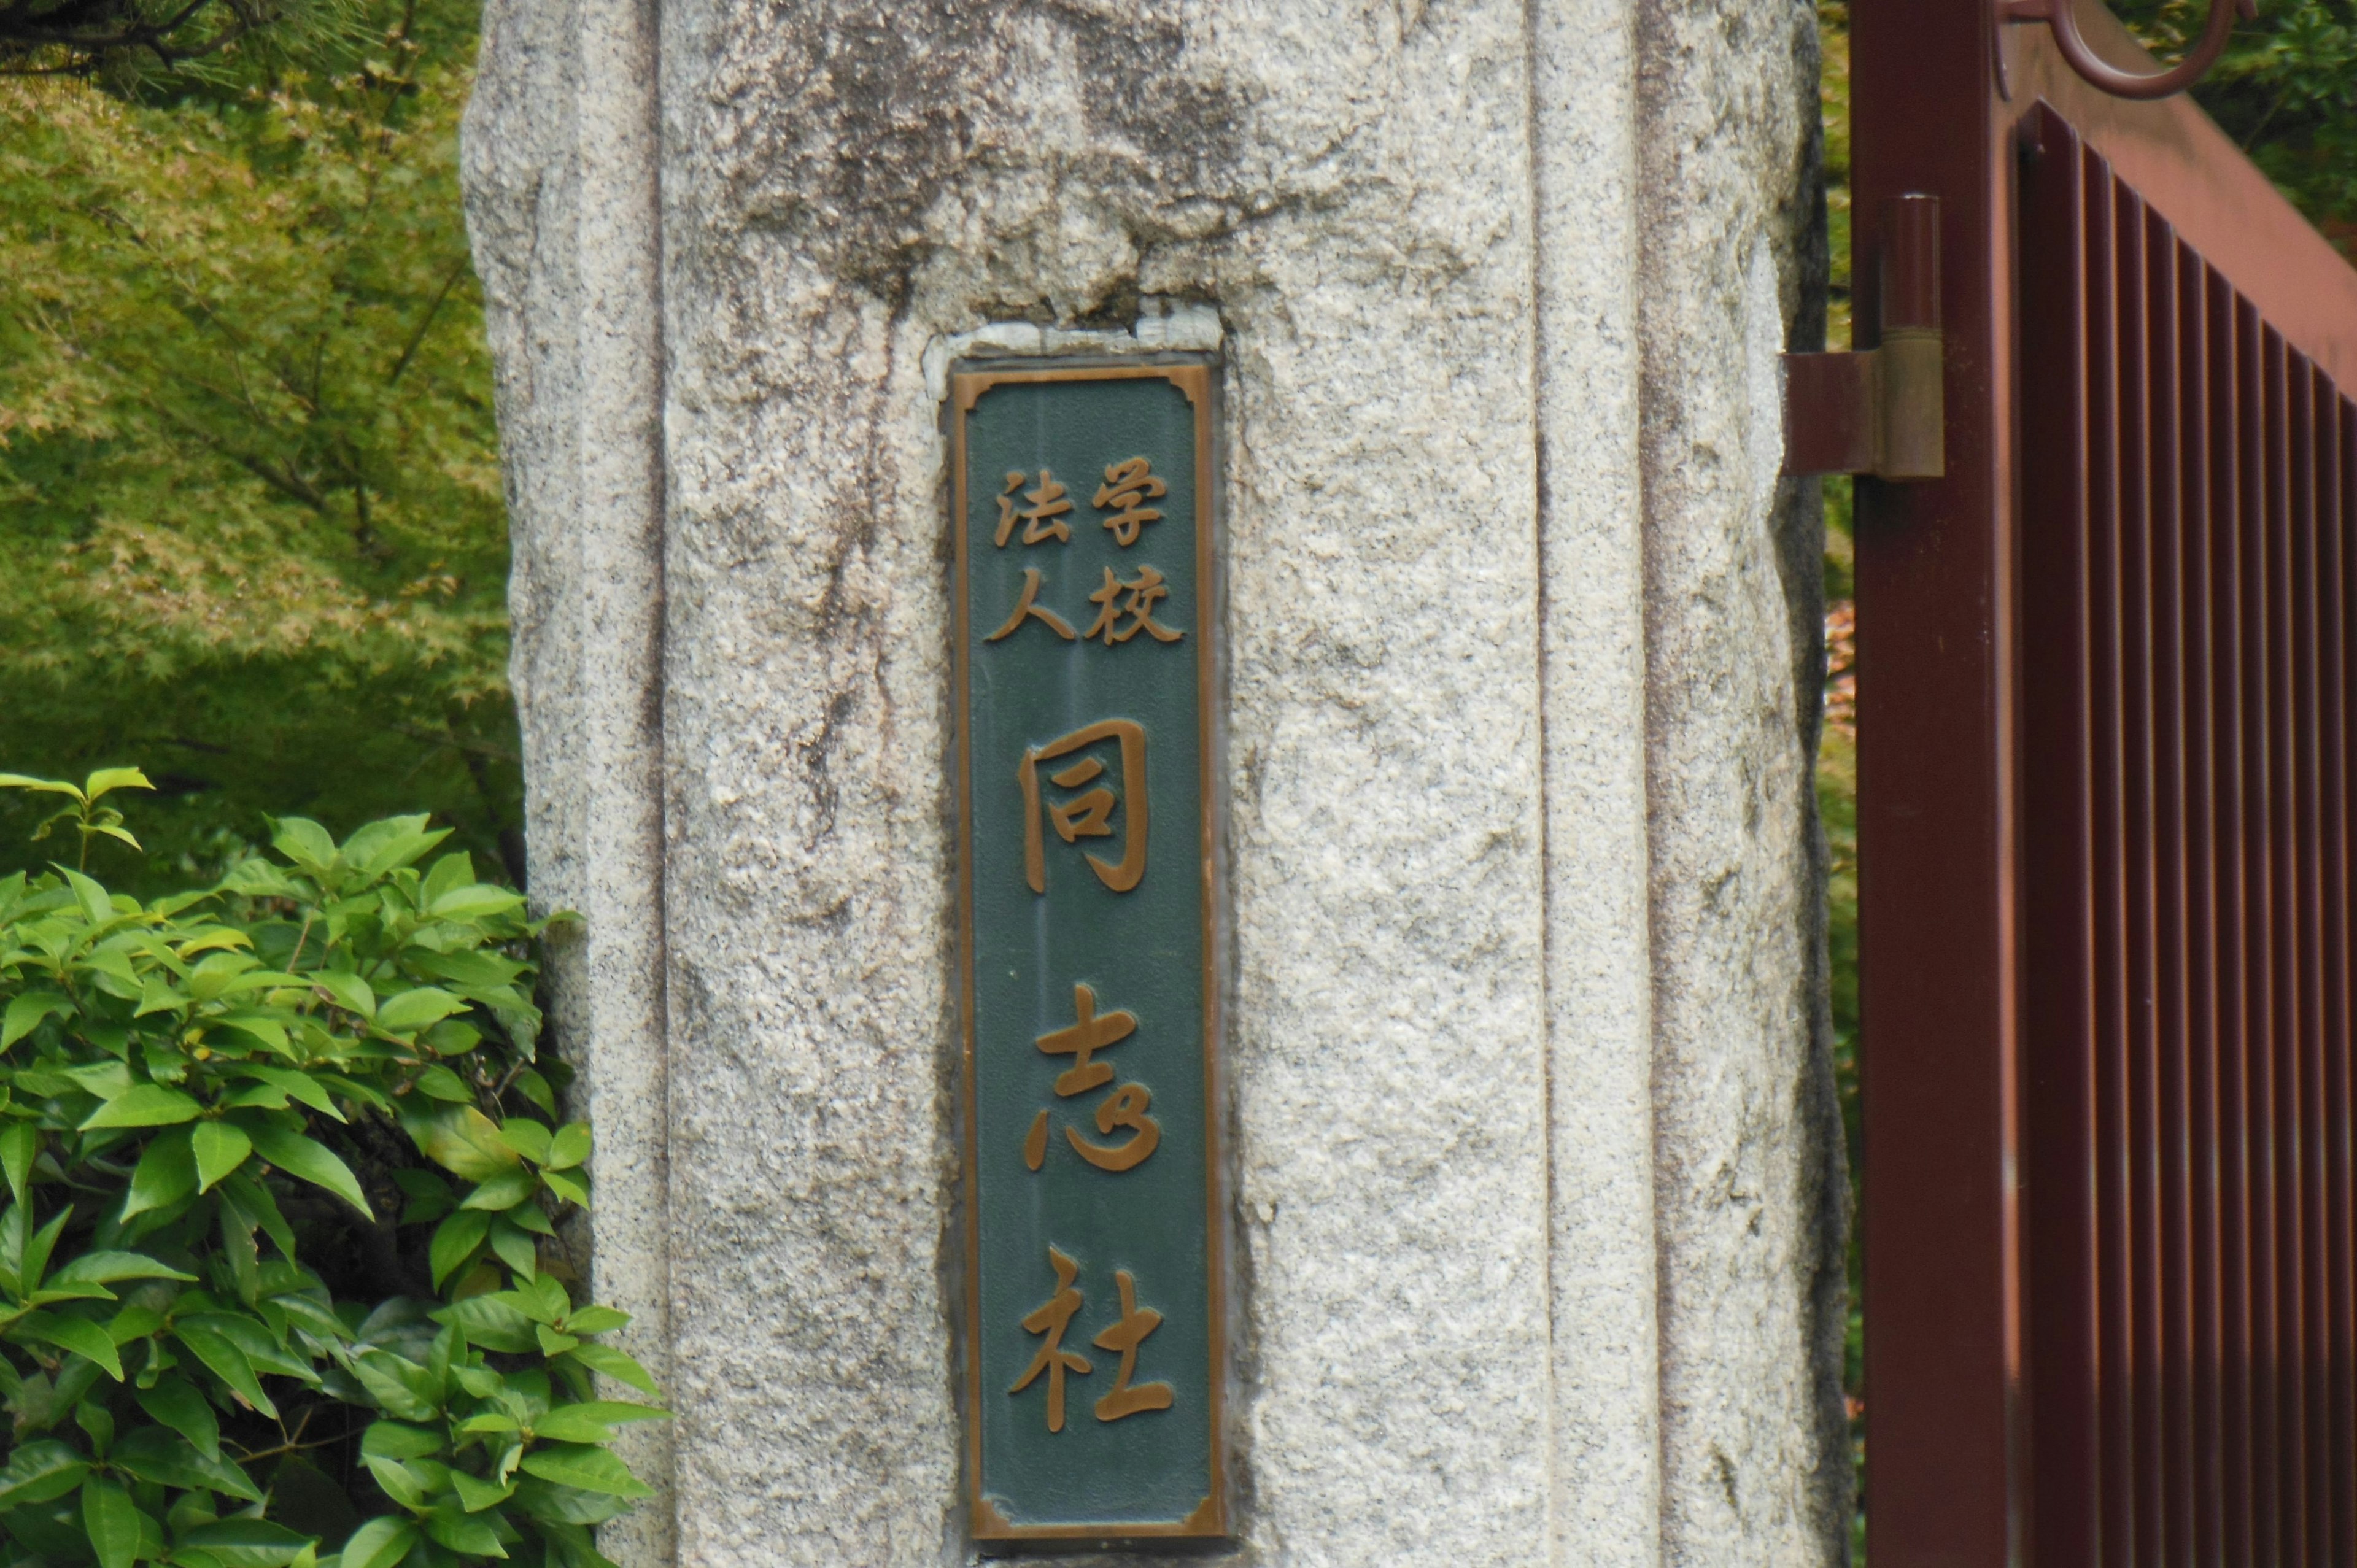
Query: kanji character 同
pixel 1088 816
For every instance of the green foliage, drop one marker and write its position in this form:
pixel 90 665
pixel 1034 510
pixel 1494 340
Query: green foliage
pixel 1833 117
pixel 2286 90
pixel 1838 810
pixel 279 1282
pixel 127 42
pixel 91 820
pixel 247 459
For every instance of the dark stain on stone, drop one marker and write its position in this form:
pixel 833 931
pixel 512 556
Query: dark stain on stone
pixel 884 111
pixel 884 106
pixel 834 920
pixel 1144 95
pixel 815 754
pixel 1116 310
pixel 1723 1469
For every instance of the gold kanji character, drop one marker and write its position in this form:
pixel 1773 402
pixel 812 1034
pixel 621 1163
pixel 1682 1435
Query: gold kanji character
pixel 1028 606
pixel 1125 1336
pixel 1125 1107
pixel 1087 816
pixel 1042 518
pixel 1087 1036
pixel 1126 484
pixel 1143 593
pixel 1050 1320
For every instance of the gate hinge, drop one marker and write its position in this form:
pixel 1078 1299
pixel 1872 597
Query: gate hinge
pixel 1880 411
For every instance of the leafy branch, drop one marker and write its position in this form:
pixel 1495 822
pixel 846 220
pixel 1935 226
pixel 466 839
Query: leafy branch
pixel 207 1101
pixel 89 818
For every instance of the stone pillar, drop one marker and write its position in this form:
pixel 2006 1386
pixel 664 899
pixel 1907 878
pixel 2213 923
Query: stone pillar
pixel 1605 1402
pixel 1529 1109
pixel 560 149
pixel 1749 1191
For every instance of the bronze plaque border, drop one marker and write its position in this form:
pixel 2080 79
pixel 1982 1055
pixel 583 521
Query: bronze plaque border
pixel 1193 377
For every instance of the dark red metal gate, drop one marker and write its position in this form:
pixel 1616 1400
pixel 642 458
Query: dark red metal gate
pixel 2107 752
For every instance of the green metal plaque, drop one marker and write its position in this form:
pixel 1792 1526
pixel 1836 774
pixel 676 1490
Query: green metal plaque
pixel 1096 1348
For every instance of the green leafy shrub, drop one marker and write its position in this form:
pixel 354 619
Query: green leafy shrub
pixel 280 1285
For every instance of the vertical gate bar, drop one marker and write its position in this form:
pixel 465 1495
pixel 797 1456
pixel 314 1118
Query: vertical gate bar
pixel 2322 780
pixel 2108 1154
pixel 2292 875
pixel 2333 1211
pixel 2282 817
pixel 1938 856
pixel 2251 866
pixel 2238 1323
pixel 2307 1131
pixel 2258 915
pixel 2342 1103
pixel 2194 436
pixel 2132 523
pixel 2058 854
pixel 2283 1194
pixel 2150 529
pixel 2173 1411
pixel 2283 808
pixel 2339 515
pixel 2315 1169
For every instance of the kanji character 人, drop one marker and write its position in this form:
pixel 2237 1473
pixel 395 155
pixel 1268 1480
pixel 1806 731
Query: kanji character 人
pixel 1028 606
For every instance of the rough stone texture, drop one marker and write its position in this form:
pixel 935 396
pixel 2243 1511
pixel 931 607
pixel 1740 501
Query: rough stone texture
pixel 1592 678
pixel 847 186
pixel 1465 972
pixel 560 173
pixel 1749 1196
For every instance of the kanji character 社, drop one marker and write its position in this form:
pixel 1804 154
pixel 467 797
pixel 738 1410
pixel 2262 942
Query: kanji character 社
pixel 1125 1337
pixel 1050 1320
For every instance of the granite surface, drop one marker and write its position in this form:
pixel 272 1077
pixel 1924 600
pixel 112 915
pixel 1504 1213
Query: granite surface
pixel 1532 1200
pixel 1751 1199
pixel 559 157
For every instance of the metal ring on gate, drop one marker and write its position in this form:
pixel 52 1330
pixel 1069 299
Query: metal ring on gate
pixel 2063 21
